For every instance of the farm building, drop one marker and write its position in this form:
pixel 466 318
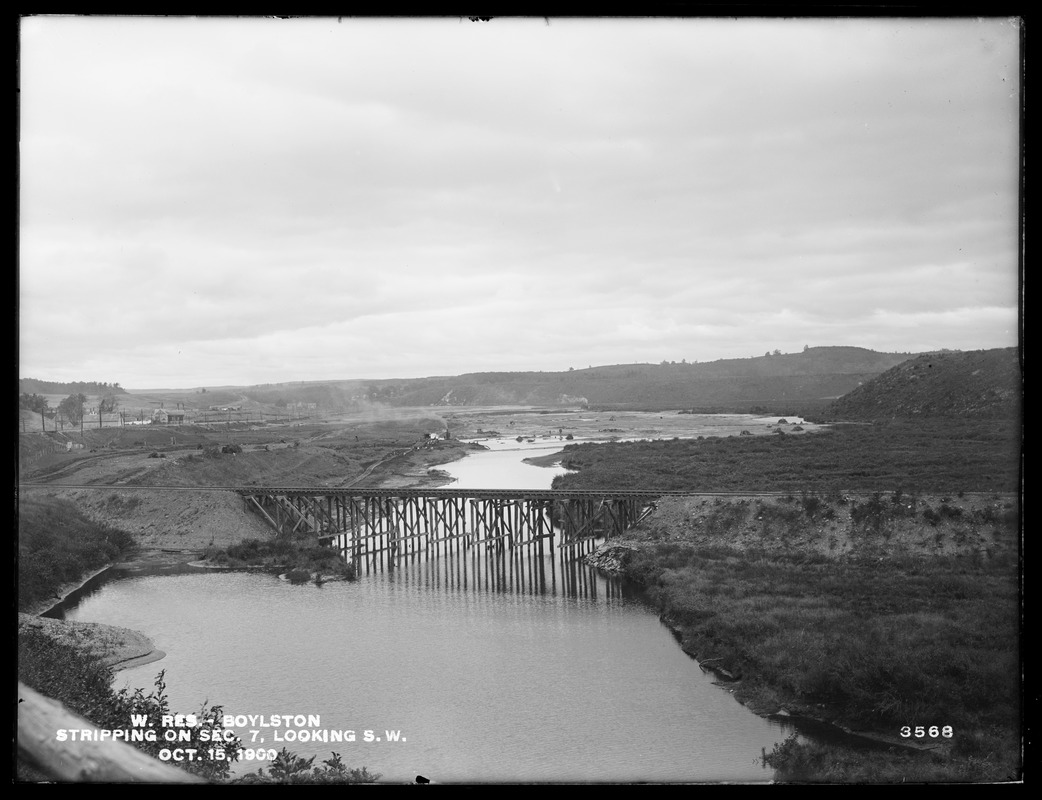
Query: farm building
pixel 163 417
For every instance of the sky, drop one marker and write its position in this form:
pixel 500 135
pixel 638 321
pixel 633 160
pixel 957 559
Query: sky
pixel 208 201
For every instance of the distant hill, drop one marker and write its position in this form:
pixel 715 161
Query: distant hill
pixel 977 384
pixel 796 381
pixel 790 383
pixel 34 386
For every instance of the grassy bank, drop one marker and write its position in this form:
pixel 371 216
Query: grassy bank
pixel 872 645
pixel 58 545
pixel 922 455
pixel 881 595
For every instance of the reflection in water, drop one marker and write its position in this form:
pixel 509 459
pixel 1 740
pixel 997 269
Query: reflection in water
pixel 530 559
pixel 517 571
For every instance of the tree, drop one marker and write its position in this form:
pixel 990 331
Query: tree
pixel 107 404
pixel 777 352
pixel 72 407
pixel 33 402
pixel 37 403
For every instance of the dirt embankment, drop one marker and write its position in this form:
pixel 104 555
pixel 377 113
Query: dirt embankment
pixel 170 522
pixel 176 525
pixel 879 524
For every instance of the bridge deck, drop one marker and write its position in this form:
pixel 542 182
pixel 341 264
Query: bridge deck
pixel 464 494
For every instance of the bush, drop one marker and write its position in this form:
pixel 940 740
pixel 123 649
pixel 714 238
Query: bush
pixel 81 682
pixel 873 513
pixel 290 768
pixel 813 506
pixel 57 544
pixel 931 516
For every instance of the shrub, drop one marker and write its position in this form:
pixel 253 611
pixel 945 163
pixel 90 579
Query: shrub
pixel 290 768
pixel 814 506
pixel 81 682
pixel 58 544
pixel 931 516
pixel 873 513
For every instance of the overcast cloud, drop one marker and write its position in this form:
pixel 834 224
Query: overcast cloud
pixel 242 201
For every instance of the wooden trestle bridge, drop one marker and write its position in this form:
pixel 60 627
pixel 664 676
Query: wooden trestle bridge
pixel 376 528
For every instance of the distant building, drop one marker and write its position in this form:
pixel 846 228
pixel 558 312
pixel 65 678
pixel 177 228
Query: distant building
pixel 163 417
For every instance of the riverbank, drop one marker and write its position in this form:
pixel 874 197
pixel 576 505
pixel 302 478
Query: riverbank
pixel 117 648
pixel 164 528
pixel 872 613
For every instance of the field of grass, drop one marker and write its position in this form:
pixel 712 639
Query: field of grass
pixel 921 455
pixel 924 641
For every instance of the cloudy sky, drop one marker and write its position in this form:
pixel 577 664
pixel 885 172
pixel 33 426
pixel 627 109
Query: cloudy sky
pixel 240 201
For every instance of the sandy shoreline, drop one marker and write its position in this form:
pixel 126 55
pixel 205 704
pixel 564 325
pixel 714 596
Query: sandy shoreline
pixel 117 648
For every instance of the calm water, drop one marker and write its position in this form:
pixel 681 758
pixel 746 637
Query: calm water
pixel 580 683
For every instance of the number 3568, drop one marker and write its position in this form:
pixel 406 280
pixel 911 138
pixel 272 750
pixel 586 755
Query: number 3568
pixel 933 731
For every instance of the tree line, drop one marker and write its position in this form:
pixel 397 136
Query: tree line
pixel 36 386
pixel 70 409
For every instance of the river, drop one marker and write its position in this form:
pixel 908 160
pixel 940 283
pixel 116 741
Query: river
pixel 477 685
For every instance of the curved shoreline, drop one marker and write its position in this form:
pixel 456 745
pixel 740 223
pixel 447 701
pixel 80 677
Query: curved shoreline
pixel 611 558
pixel 117 648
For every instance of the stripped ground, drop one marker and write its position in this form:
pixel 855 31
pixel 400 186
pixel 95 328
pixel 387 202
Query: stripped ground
pixel 833 525
pixel 182 524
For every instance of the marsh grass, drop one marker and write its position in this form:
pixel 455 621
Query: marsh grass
pixel 966 761
pixel 909 641
pixel 920 455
